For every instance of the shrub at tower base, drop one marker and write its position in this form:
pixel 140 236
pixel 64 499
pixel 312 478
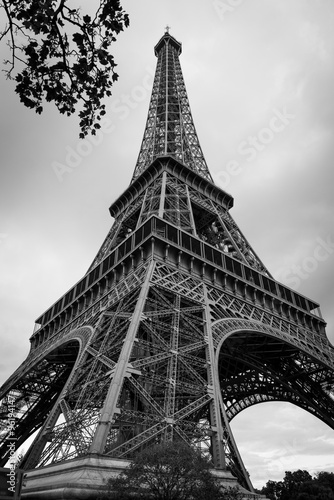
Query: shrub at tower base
pixel 169 471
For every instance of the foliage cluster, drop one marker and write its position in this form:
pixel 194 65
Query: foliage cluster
pixel 169 471
pixel 300 485
pixel 60 54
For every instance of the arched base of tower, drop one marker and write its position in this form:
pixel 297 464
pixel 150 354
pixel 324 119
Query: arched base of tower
pixel 86 479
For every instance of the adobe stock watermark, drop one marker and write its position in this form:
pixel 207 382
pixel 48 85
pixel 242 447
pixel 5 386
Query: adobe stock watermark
pixel 288 457
pixel 11 445
pixel 297 273
pixel 254 145
pixel 83 148
pixel 223 7
pixel 121 108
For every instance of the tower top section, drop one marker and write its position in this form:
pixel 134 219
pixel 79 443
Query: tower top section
pixel 170 130
pixel 167 39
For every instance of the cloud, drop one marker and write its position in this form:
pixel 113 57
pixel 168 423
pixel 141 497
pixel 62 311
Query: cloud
pixel 275 437
pixel 263 55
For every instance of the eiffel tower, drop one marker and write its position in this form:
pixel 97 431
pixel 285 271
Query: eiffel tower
pixel 176 327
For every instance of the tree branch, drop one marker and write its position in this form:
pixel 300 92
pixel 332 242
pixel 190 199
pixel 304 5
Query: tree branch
pixel 52 53
pixel 11 31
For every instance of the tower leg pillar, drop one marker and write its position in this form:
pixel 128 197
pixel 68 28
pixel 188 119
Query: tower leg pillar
pixel 217 444
pixel 109 407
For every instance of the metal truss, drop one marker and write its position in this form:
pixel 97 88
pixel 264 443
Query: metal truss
pixel 180 204
pixel 176 327
pixel 170 130
pixel 190 363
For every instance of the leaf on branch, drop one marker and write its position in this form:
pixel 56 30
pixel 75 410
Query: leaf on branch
pixel 64 56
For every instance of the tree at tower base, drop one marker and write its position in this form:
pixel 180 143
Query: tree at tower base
pixel 87 479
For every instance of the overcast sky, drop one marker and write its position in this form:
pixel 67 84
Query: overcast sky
pixel 260 80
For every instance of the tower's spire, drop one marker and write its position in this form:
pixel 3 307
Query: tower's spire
pixel 170 130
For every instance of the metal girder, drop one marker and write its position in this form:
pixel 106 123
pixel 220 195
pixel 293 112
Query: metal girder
pixel 169 128
pixel 176 327
pixel 168 386
pixel 34 394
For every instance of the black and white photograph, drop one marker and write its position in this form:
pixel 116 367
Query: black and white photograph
pixel 167 249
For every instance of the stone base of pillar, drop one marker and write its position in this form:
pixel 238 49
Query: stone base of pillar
pixel 79 479
pixel 86 479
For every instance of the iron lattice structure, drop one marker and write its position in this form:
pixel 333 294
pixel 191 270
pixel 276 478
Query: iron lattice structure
pixel 176 327
pixel 170 129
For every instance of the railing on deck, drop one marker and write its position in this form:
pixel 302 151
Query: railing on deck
pixel 161 229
